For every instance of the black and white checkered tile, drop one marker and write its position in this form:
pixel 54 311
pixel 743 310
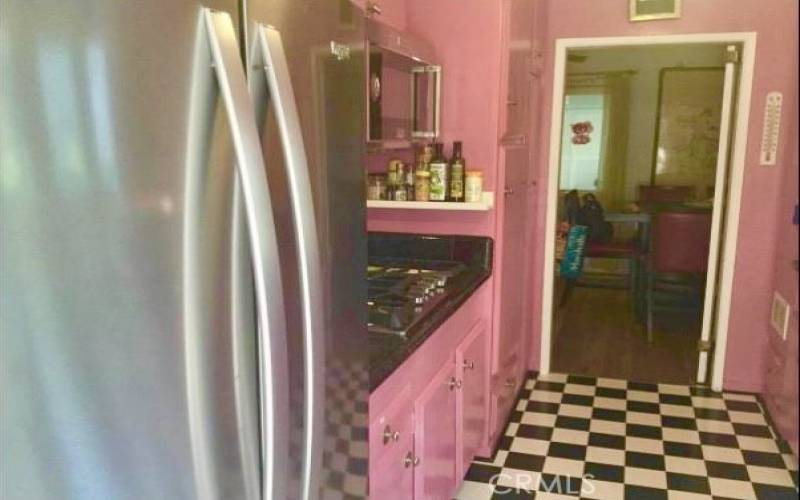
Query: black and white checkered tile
pixel 596 438
pixel 346 449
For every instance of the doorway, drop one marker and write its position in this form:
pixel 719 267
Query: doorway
pixel 638 117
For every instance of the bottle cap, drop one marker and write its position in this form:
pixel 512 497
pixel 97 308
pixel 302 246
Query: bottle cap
pixel 474 173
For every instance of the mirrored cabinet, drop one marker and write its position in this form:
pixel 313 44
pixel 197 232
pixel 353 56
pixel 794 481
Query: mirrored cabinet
pixel 403 88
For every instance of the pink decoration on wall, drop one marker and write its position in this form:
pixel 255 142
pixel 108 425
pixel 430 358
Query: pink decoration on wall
pixel 580 132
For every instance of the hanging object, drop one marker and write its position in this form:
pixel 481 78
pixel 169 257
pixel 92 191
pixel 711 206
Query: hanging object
pixel 651 10
pixel 581 131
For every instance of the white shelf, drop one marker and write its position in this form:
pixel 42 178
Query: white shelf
pixel 486 203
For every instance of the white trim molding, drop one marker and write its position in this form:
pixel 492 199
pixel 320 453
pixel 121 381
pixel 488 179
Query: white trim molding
pixel 736 178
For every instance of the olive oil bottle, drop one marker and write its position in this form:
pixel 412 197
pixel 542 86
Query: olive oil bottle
pixel 440 179
pixel 457 169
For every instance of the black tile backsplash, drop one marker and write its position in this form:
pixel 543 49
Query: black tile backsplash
pixel 471 250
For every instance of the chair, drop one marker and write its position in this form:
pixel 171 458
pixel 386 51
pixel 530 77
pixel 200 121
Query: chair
pixel 630 250
pixel 651 194
pixel 679 246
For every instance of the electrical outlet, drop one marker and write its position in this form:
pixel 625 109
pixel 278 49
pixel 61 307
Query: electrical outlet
pixel 780 315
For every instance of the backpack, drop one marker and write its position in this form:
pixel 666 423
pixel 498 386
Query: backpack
pixel 572 206
pixel 591 215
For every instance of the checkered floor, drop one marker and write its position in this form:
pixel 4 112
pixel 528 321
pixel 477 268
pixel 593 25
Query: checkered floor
pixel 582 437
pixel 344 474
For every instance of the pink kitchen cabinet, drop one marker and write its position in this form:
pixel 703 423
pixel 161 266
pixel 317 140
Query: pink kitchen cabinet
pixel 435 437
pixel 392 472
pixel 512 307
pixel 472 364
pixel 505 384
pixel 428 418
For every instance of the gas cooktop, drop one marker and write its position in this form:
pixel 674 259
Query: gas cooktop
pixel 401 291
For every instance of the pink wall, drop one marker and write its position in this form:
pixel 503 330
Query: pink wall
pixel 466 36
pixel 773 20
pixel 781 384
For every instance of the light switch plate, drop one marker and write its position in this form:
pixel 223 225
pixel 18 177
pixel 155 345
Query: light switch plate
pixel 780 315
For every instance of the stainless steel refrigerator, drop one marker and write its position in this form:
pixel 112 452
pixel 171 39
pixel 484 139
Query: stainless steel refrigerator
pixel 183 248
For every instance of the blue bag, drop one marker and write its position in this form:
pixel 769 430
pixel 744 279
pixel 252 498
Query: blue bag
pixel 572 263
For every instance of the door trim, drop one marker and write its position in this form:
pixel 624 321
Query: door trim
pixel 736 178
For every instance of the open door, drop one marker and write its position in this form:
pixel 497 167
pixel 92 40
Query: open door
pixel 707 333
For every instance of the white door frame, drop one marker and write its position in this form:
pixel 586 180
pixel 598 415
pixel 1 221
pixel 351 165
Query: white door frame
pixel 736 177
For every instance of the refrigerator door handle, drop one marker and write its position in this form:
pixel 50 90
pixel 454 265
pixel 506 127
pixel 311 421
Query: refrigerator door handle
pixel 268 53
pixel 263 462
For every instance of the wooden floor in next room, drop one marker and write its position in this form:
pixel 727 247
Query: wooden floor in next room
pixel 596 334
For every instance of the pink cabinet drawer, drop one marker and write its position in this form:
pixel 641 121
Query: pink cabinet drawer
pixel 391 425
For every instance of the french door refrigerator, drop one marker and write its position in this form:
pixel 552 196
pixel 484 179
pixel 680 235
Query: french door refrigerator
pixel 182 232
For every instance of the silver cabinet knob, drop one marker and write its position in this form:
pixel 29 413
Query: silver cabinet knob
pixel 373 8
pixel 410 460
pixel 454 383
pixel 469 365
pixel 508 191
pixel 389 435
pixel 510 382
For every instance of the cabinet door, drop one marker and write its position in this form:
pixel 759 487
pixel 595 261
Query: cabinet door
pixel 473 365
pixel 514 253
pixel 435 437
pixel 392 474
pixel 518 59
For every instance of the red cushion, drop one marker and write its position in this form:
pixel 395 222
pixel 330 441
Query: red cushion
pixel 612 249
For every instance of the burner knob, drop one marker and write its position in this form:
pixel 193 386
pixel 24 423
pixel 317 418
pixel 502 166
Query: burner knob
pixel 419 295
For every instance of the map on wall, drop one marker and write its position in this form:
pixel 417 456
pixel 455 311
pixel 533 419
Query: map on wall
pixel 687 132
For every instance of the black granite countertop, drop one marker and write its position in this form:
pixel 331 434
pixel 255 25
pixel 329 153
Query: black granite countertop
pixel 387 351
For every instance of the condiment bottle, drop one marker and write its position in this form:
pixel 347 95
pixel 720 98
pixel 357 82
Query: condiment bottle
pixel 400 185
pixel 473 191
pixel 377 187
pixel 457 167
pixel 391 178
pixel 422 185
pixel 409 182
pixel 439 174
pixel 426 156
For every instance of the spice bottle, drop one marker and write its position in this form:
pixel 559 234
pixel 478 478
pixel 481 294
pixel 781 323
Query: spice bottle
pixel 422 185
pixel 376 189
pixel 473 191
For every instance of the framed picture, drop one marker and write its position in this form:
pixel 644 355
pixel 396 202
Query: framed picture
pixel 687 128
pixel 648 10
